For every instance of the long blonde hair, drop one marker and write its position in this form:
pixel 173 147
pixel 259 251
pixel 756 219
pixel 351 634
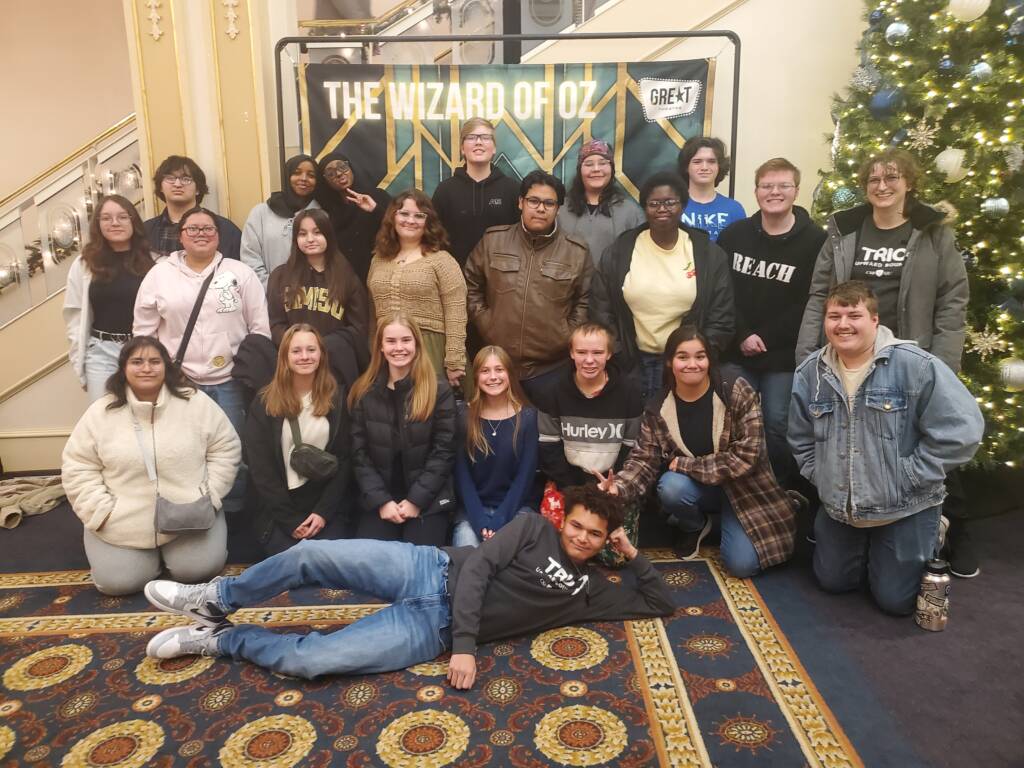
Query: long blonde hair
pixel 476 442
pixel 279 396
pixel 423 375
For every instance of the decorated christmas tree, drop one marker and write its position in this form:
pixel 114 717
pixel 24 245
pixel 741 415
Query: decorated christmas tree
pixel 943 79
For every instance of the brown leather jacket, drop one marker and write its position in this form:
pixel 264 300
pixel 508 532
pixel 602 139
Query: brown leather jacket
pixel 527 292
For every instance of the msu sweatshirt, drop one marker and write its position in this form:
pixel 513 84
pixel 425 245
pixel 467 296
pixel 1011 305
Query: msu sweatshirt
pixel 521 581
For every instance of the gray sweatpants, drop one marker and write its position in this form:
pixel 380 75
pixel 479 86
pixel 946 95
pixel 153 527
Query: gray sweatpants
pixel 191 558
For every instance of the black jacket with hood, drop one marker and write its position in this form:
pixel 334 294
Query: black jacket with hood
pixel 467 208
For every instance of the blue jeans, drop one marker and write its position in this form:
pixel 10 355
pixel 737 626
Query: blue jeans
pixel 415 628
pixel 687 504
pixel 776 390
pixel 891 557
pixel 463 534
pixel 229 397
pixel 101 357
pixel 652 374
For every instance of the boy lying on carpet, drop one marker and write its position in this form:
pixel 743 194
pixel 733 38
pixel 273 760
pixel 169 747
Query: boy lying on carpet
pixel 527 578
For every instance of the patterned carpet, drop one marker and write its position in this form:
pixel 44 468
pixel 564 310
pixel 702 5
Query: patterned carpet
pixel 715 684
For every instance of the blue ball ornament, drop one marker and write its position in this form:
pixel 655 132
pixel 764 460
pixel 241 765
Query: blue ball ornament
pixel 946 66
pixel 876 16
pixel 885 102
pixel 899 137
pixel 843 197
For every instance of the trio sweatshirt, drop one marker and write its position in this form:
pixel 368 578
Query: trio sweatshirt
pixel 521 581
pixel 771 277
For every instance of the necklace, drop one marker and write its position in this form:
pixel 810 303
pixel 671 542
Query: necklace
pixel 494 429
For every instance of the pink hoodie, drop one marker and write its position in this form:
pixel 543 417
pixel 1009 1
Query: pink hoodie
pixel 234 306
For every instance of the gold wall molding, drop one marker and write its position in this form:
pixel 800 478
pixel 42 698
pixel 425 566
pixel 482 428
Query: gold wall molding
pixel 231 14
pixel 33 377
pixel 154 19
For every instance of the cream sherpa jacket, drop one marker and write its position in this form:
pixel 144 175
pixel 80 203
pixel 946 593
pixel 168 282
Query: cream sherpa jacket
pixel 105 476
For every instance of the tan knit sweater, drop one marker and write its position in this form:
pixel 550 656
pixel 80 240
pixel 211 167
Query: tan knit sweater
pixel 430 290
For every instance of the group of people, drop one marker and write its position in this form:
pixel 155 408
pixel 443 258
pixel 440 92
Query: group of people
pixel 359 379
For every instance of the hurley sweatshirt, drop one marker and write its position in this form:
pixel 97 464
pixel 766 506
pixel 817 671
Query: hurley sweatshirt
pixel 579 434
pixel 521 581
pixel 771 277
pixel 467 208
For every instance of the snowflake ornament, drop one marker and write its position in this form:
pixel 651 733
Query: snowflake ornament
pixel 1014 157
pixel 922 135
pixel 985 343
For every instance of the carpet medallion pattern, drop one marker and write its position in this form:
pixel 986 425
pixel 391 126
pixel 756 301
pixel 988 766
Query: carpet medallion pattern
pixel 714 684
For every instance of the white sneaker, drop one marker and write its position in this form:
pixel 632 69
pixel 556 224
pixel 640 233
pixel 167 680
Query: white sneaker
pixel 943 528
pixel 197 601
pixel 193 640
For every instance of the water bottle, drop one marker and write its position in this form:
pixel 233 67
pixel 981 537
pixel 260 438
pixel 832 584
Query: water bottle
pixel 933 599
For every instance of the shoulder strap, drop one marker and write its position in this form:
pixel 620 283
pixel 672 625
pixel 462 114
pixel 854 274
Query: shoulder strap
pixel 296 435
pixel 194 316
pixel 147 457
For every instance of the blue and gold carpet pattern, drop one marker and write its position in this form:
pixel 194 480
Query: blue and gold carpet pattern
pixel 716 684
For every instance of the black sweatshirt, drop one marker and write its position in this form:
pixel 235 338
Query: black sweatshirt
pixel 579 433
pixel 771 277
pixel 520 581
pixel 467 208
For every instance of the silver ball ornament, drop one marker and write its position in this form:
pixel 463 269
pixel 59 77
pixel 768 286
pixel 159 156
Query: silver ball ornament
pixel 1011 374
pixel 981 71
pixel 897 33
pixel 995 207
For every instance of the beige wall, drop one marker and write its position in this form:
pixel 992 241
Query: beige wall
pixel 795 54
pixel 66 78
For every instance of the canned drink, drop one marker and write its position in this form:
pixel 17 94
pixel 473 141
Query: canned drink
pixel 933 600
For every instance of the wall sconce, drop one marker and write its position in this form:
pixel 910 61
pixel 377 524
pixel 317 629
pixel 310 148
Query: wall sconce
pixel 9 274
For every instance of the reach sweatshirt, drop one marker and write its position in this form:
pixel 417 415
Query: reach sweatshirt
pixel 771 277
pixel 521 581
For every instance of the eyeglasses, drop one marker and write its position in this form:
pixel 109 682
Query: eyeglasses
pixel 479 138
pixel 414 215
pixel 592 164
pixel 337 169
pixel 537 203
pixel 192 230
pixel 120 218
pixel 783 187
pixel 890 179
pixel 670 202
pixel 185 181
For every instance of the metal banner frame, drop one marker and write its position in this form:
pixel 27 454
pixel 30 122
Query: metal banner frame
pixel 373 39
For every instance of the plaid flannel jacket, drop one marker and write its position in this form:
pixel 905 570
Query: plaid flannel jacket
pixel 740 465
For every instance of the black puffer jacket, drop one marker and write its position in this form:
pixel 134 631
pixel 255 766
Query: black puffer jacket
pixel 268 484
pixel 713 311
pixel 427 449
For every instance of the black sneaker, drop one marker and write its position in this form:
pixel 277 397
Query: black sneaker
pixel 963 560
pixel 801 504
pixel 687 543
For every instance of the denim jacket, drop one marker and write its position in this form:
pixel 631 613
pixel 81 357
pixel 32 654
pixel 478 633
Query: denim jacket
pixel 886 457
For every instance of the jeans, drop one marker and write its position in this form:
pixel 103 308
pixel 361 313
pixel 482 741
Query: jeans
pixel 463 534
pixel 101 357
pixel 776 390
pixel 652 373
pixel 687 503
pixel 891 557
pixel 228 396
pixel 536 387
pixel 415 628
